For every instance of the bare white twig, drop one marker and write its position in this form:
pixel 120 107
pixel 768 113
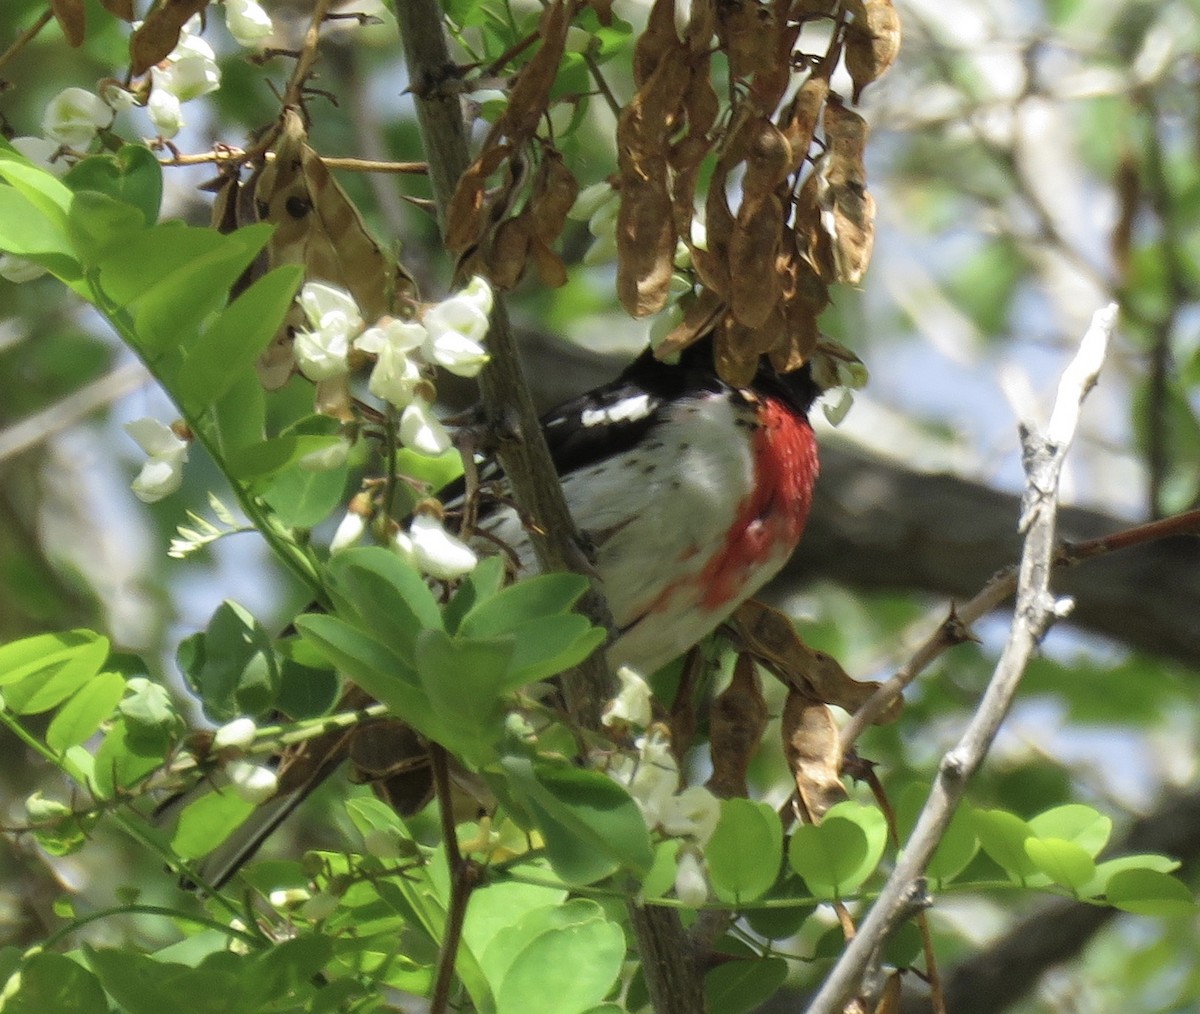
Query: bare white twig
pixel 71 409
pixel 1036 609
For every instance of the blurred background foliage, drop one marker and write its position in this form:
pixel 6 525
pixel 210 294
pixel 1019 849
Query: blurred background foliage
pixel 1031 160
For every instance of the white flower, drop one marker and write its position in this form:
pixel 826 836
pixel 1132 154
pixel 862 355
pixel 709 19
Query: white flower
pixel 252 782
pixel 693 813
pixel 74 116
pixel 631 706
pixel 117 97
pixel 691 885
pixel 330 308
pixel 247 22
pixel 402 546
pixel 438 553
pixel 323 353
pixel 400 335
pixel 41 152
pixel 237 734
pixel 162 475
pixel 164 109
pixel 457 327
pixel 651 778
pixel 395 376
pixel 421 430
pixel 19 269
pixel 191 67
pixel 349 530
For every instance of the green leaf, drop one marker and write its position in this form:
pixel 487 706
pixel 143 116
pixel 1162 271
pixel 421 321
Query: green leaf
pixel 97 222
pixel 477 587
pixel 567 968
pixel 264 459
pixel 836 856
pixel 591 826
pixel 1149 892
pixel 27 232
pixel 41 672
pixel 959 844
pixel 170 312
pixel 306 691
pixel 32 655
pixel 124 759
pixel 547 646
pixel 132 176
pixel 737 987
pixel 231 665
pixel 1086 827
pixel 374 667
pixel 81 716
pixel 388 595
pixel 498 906
pixel 464 681
pixel 147 258
pixel 53 982
pixel 533 599
pixel 149 711
pixel 142 985
pixel 233 342
pixel 1002 836
pixel 1107 869
pixel 746 850
pixel 239 417
pixel 207 821
pixel 1064 862
pixel 302 497
pixel 42 188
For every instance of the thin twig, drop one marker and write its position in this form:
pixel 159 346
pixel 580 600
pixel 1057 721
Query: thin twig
pixel 1036 608
pixel 230 155
pixel 463 879
pixel 955 629
pixel 71 409
pixel 672 977
pixel 26 37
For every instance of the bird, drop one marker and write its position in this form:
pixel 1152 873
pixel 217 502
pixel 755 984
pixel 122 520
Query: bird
pixel 690 494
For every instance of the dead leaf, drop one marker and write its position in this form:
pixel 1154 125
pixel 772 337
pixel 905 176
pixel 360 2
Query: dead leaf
pixel 507 250
pixel 770 636
pixel 154 39
pixel 872 41
pixel 530 92
pixel 466 213
pixel 736 722
pixel 122 9
pixel 736 364
pixel 754 283
pixel 893 994
pixel 700 316
pixel 813 752
pixel 319 227
pixel 645 244
pixel 72 19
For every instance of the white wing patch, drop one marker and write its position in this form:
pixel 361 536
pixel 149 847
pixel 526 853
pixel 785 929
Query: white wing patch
pixel 625 410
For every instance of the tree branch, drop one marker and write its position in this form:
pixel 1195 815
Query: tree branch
pixel 672 978
pixel 1043 453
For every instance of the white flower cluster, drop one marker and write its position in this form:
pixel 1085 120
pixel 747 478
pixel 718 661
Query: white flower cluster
pixel 597 205
pixel 449 335
pixel 162 474
pixel 252 782
pixel 651 776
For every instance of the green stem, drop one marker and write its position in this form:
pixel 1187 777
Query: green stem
pixel 291 555
pixel 251 939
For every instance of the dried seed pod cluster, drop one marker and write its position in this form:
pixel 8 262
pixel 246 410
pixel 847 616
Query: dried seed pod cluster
pixel 786 209
pixel 787 212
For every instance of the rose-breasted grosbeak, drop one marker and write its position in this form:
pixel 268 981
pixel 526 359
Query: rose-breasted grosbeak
pixel 691 494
